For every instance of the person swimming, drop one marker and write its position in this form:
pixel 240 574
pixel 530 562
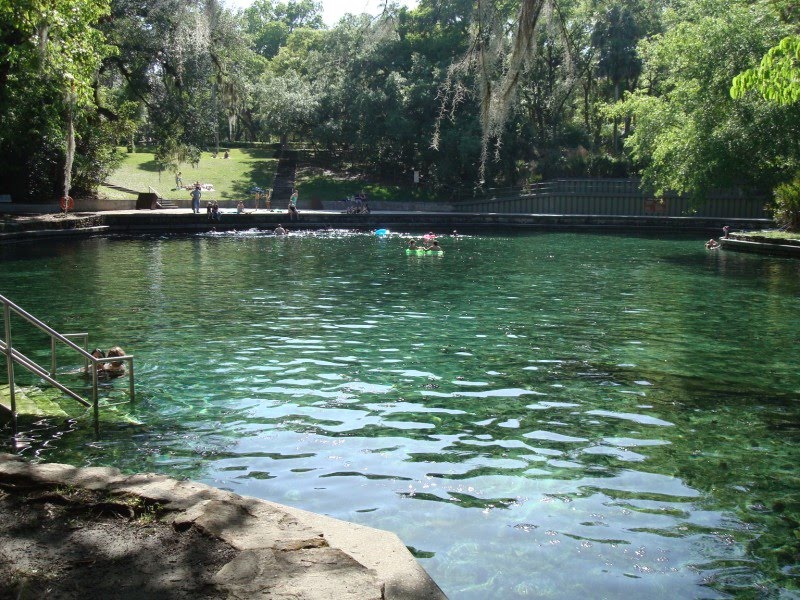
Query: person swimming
pixel 97 353
pixel 434 247
pixel 115 368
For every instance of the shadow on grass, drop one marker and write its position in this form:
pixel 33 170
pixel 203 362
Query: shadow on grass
pixel 261 174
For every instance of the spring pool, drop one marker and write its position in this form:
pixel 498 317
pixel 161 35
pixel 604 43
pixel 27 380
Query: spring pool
pixel 552 415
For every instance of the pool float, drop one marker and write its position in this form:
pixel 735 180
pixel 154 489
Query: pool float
pixel 381 232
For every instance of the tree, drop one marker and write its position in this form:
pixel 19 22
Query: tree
pixel 49 56
pixel 287 103
pixel 271 23
pixel 689 134
pixel 777 78
pixel 615 36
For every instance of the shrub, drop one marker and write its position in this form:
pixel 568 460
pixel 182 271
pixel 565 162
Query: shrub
pixel 785 206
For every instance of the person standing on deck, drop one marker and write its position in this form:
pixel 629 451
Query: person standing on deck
pixel 293 205
pixel 196 193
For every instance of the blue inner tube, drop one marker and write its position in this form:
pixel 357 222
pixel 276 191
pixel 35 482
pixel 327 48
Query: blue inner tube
pixel 381 231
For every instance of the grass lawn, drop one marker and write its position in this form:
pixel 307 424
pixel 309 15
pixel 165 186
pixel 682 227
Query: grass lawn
pixel 315 183
pixel 235 177
pixel 232 178
pixel 774 234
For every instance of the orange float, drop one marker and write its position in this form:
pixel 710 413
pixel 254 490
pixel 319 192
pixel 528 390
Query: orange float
pixel 66 203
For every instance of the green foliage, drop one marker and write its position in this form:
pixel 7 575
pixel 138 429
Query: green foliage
pixel 777 78
pixel 49 54
pixel 690 135
pixel 287 103
pixel 786 204
pixel 186 75
pixel 271 23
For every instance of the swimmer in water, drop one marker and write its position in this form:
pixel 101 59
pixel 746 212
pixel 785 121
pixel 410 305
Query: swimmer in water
pixel 434 247
pixel 115 368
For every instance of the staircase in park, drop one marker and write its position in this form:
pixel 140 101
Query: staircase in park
pixel 283 183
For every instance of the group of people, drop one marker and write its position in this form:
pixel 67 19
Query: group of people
pixel 212 208
pixel 212 211
pixel 713 244
pixel 429 245
pixel 266 195
pixel 112 369
pixel 357 205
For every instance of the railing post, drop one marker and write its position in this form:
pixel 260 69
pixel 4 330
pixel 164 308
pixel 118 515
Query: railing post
pixel 10 366
pixel 52 356
pixel 95 406
pixel 130 380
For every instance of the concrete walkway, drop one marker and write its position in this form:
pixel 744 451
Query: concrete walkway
pixel 281 552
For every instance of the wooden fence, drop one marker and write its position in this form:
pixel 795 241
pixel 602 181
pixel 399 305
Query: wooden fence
pixel 612 197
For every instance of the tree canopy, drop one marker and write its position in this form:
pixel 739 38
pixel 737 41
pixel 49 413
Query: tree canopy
pixel 467 93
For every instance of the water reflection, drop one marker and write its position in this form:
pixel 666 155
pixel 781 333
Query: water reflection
pixel 555 414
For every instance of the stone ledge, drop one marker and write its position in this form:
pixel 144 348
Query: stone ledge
pixel 762 246
pixel 282 552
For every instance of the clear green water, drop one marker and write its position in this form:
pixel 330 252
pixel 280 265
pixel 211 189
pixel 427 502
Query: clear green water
pixel 553 415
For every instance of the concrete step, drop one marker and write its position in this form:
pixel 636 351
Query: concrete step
pixel 32 401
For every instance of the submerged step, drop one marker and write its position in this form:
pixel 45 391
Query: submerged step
pixel 31 401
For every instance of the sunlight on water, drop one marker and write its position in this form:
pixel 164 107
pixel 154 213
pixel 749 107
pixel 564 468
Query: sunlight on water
pixel 551 415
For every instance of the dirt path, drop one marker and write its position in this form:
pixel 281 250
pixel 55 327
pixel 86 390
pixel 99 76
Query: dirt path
pixel 74 543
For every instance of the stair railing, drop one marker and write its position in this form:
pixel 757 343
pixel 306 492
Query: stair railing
pixel 14 356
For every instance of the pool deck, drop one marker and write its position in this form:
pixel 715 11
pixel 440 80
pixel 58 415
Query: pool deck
pixel 785 247
pixel 182 220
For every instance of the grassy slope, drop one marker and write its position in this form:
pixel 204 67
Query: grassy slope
pixel 233 178
pixel 326 185
pixel 246 168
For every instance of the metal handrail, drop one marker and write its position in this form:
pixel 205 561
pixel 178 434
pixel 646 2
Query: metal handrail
pixel 31 366
pixel 13 355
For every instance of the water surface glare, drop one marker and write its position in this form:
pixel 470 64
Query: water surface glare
pixel 554 415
